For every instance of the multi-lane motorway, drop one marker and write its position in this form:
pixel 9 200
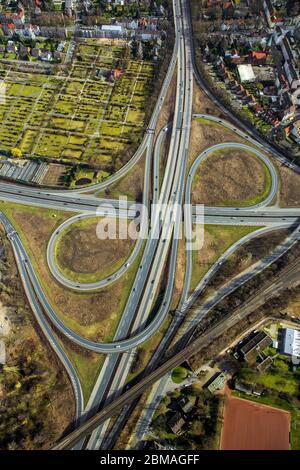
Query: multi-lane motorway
pixel 160 247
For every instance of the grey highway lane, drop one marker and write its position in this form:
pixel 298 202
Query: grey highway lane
pixel 166 191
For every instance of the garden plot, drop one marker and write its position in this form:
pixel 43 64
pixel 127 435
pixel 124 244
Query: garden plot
pixel 94 112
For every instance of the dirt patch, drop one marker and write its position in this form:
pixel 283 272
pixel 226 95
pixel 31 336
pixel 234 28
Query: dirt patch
pixel 180 267
pixel 202 104
pixel 81 251
pixel 289 189
pixel 204 134
pixel 230 175
pixel 249 426
pixel 96 312
pixel 55 175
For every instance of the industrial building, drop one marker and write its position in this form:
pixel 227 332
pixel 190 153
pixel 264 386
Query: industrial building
pixel 291 342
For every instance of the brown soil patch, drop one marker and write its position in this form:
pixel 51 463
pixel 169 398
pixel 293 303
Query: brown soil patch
pixel 54 175
pixel 289 190
pixel 250 426
pixel 202 104
pixel 228 176
pixel 85 309
pixel 81 251
pixel 207 254
pixel 205 134
pixel 180 267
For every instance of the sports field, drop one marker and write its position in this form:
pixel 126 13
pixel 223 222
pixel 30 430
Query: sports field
pixel 92 111
pixel 251 426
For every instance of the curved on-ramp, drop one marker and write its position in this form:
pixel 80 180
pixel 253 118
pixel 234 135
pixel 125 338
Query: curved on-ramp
pixel 85 286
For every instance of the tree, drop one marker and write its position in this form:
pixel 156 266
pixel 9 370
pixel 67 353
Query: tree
pixel 16 152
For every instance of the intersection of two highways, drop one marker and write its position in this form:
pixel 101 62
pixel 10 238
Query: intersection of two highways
pixel 176 189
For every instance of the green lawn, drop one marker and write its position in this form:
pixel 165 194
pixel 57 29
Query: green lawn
pixel 279 377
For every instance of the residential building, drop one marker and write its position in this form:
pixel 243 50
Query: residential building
pixel 217 382
pixel 176 423
pixel 255 345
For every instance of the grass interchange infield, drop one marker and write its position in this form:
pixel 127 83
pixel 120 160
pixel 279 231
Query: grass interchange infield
pixel 82 257
pixel 231 177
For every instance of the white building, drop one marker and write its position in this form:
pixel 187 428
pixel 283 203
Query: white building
pixel 246 73
pixel 291 342
pixel 112 28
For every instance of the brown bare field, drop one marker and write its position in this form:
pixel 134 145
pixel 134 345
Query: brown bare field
pixel 250 426
pixel 202 104
pixel 80 250
pixel 94 315
pixel 289 189
pixel 231 175
pixel 204 134
pixel 54 175
pixel 179 274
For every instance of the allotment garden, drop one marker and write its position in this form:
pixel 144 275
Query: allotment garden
pixel 92 111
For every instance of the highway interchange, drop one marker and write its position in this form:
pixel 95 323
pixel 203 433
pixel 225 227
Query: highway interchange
pixel 159 252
